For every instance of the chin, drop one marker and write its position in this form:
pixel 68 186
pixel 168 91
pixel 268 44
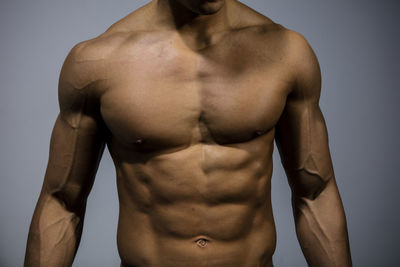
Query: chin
pixel 204 7
pixel 211 7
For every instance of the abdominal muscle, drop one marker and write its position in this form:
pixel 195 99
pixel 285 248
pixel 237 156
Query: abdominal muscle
pixel 204 205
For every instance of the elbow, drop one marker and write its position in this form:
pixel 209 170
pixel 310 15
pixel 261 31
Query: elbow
pixel 306 184
pixel 310 193
pixel 71 200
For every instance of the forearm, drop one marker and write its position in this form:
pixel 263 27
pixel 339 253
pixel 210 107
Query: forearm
pixel 321 228
pixel 54 234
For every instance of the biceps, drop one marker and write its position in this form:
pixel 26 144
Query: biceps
pixel 74 156
pixel 302 141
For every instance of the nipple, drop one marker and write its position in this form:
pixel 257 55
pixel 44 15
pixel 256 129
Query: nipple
pixel 202 242
pixel 258 133
pixel 139 140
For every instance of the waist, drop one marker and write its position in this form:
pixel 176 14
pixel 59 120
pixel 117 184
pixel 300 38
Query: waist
pixel 226 236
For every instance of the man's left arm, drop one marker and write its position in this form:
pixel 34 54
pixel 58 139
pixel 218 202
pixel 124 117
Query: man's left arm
pixel 302 141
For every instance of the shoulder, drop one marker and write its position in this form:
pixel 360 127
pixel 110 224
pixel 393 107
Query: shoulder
pixel 85 63
pixel 298 47
pixel 289 47
pixel 293 51
pixel 302 60
pixel 292 43
pixel 83 76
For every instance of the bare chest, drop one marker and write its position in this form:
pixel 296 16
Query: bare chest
pixel 164 95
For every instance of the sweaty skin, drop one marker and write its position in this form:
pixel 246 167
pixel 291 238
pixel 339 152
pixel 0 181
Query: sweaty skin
pixel 189 97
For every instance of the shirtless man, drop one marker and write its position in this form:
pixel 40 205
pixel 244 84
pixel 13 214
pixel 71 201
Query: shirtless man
pixel 189 96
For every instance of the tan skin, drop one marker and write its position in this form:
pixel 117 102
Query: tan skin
pixel 189 97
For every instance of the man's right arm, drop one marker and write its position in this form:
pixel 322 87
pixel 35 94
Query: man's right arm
pixel 76 146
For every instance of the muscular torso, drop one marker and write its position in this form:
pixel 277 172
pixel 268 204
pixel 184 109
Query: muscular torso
pixel 191 134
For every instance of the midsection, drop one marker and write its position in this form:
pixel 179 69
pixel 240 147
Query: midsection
pixel 201 205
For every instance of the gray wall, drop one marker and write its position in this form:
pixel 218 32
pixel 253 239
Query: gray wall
pixel 357 44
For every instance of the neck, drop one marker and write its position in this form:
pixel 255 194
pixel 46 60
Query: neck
pixel 174 15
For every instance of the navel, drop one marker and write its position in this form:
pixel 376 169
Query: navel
pixel 202 242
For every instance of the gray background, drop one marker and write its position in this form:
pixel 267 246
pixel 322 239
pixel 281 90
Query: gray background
pixel 357 45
